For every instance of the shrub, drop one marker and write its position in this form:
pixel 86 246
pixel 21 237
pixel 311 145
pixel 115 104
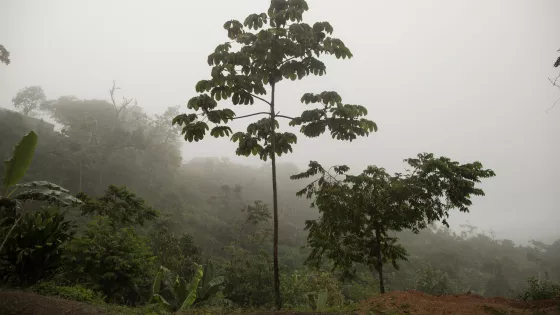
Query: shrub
pixel 34 248
pixel 117 262
pixel 75 292
pixel 298 287
pixel 433 281
pixel 540 290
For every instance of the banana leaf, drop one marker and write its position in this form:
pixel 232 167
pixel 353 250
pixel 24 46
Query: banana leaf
pixel 16 166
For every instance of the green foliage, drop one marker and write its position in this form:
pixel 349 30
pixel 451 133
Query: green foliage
pixel 358 212
pixel 287 49
pixel 185 294
pixel 11 201
pixel 247 270
pixel 116 262
pixel 540 290
pixel 311 288
pixel 29 99
pixel 4 55
pixel 75 292
pixel 176 253
pixel 433 281
pixel 209 285
pixel 121 205
pixel 17 165
pixel 33 251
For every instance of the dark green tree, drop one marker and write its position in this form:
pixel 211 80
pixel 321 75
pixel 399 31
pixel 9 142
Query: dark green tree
pixel 115 261
pixel 121 205
pixel 29 99
pixel 280 47
pixel 4 55
pixel 358 212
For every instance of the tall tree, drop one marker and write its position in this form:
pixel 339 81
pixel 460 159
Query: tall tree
pixel 4 55
pixel 285 49
pixel 29 99
pixel 359 211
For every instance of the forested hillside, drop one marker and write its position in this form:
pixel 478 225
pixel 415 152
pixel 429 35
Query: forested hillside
pixel 204 197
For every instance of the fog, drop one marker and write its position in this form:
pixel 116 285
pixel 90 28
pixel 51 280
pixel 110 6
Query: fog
pixel 464 79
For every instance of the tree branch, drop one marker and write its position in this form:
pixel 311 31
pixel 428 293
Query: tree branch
pixel 259 113
pixel 257 97
pixel 287 117
pixel 554 83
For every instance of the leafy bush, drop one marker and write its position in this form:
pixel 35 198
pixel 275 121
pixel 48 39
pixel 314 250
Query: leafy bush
pixel 248 278
pixel 433 281
pixel 75 292
pixel 116 262
pixel 175 253
pixel 540 290
pixel 308 289
pixel 183 294
pixel 34 248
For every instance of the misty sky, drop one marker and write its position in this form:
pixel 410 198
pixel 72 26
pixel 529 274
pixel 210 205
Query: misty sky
pixel 465 79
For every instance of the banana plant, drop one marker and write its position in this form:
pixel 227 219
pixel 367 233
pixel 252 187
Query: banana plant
pixel 14 195
pixel 185 295
pixel 209 286
pixel 318 300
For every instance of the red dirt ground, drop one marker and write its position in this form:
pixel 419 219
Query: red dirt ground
pixel 399 302
pixel 413 302
pixel 25 303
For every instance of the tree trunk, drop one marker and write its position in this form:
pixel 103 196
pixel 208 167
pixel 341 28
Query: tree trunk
pixel 379 261
pixel 277 296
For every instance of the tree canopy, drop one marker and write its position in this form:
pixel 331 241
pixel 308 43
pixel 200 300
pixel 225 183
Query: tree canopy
pixel 359 211
pixel 28 99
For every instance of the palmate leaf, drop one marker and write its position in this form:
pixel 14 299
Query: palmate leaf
pixel 43 185
pixel 48 195
pixel 16 167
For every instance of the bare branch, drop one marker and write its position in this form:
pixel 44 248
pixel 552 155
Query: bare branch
pixel 259 113
pixel 257 97
pixel 287 117
pixel 554 83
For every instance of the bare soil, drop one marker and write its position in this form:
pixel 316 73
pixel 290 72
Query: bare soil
pixel 414 302
pixel 25 303
pixel 399 302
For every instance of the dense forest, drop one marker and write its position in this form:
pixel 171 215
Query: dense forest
pixel 98 205
pixel 211 211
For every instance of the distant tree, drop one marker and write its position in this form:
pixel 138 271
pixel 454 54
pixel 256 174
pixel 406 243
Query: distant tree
pixel 433 281
pixel 4 55
pixel 287 49
pixel 121 205
pixel 359 211
pixel 29 99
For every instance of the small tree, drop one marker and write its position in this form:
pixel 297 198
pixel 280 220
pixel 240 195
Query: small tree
pixel 358 212
pixel 29 99
pixel 287 49
pixel 121 205
pixel 4 55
